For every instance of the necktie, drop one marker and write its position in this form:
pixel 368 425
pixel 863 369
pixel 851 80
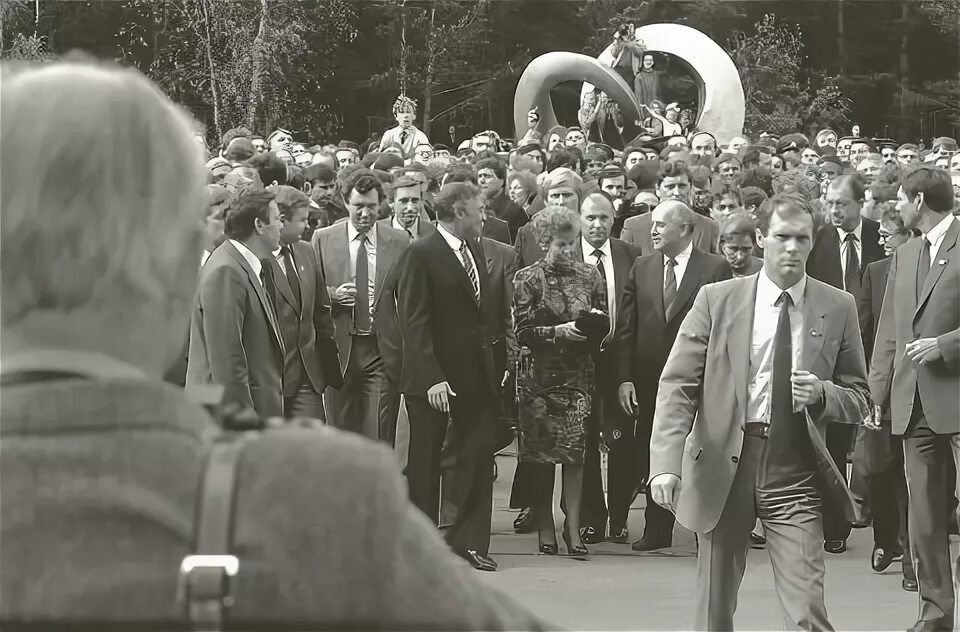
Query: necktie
pixel 361 309
pixel 599 255
pixel 291 270
pixel 471 271
pixel 409 232
pixel 403 137
pixel 923 268
pixel 269 284
pixel 669 284
pixel 781 395
pixel 851 276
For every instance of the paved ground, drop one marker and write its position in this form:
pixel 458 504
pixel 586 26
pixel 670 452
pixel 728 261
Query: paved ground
pixel 621 590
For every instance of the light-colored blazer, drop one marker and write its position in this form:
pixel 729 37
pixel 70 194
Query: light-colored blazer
pixel 904 319
pixel 699 420
pixel 331 244
pixel 706 233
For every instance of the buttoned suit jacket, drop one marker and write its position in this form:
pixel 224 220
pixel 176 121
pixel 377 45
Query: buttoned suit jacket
pixel 235 339
pixel 824 261
pixel 331 244
pixel 894 378
pixel 307 325
pixel 501 262
pixel 702 400
pixel 527 247
pixel 706 233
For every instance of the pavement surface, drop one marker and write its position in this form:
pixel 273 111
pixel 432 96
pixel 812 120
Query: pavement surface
pixel 617 589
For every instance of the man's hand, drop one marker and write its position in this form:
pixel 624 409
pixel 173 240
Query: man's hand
pixel 807 389
pixel 439 396
pixel 506 378
pixel 345 295
pixel 924 350
pixel 628 398
pixel 874 422
pixel 665 489
pixel 569 331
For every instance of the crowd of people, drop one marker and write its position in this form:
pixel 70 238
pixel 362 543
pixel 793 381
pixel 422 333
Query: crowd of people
pixel 746 317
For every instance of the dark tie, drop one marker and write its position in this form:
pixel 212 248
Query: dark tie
pixel 669 284
pixel 851 276
pixel 291 270
pixel 471 270
pixel 410 232
pixel 403 137
pixel 361 309
pixel 269 284
pixel 781 394
pixel 923 268
pixel 599 255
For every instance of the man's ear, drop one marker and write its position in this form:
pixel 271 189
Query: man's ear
pixel 919 199
pixel 759 237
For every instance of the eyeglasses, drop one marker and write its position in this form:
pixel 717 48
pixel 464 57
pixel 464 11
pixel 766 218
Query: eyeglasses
pixel 640 208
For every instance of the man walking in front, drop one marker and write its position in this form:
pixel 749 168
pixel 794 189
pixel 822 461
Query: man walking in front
pixel 790 346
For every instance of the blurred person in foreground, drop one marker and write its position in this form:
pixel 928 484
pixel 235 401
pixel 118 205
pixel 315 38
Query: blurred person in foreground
pixel 113 458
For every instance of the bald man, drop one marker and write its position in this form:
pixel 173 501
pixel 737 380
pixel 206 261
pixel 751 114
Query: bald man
pixel 659 292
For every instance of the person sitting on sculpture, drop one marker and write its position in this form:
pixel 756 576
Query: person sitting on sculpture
pixel 626 52
pixel 405 133
pixel 646 85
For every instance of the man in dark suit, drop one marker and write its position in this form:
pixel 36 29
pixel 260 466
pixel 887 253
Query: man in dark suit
pixel 759 366
pixel 303 311
pixel 355 256
pixel 491 176
pixel 659 292
pixel 235 338
pixel 841 251
pixel 673 183
pixel 878 461
pixel 614 258
pixel 916 369
pixel 448 371
pixel 495 229
pixel 408 213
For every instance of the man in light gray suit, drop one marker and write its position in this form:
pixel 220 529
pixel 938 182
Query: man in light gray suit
pixel 356 256
pixel 721 457
pixel 916 369
pixel 235 338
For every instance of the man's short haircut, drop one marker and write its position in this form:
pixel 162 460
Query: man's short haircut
pixel 680 212
pixel 721 189
pixel 315 174
pixel 289 199
pixel 562 177
pixel 700 176
pixel 295 176
pixel 600 193
pixel 610 172
pixel 446 201
pixel 753 196
pixel 220 197
pixel 890 215
pixel 786 205
pixel 672 170
pixel 459 172
pixel 403 182
pixel 883 191
pixel 739 225
pixel 362 181
pixel 495 165
pixel 758 177
pixel 934 183
pixel 854 183
pixel 244 209
pixel 270 168
pixel 910 146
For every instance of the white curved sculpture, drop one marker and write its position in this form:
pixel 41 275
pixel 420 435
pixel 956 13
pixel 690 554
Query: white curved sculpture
pixel 722 106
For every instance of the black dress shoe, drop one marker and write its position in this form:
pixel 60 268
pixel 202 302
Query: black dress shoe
pixel 835 546
pixel 577 552
pixel 489 563
pixel 757 541
pixel 546 548
pixel 619 536
pixel 910 585
pixel 589 535
pixel 523 523
pixel 648 543
pixel 882 558
pixel 478 561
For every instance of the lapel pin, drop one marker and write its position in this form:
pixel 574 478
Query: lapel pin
pixel 942 262
pixel 814 333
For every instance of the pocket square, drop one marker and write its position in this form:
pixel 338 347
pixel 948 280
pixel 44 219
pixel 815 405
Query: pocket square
pixel 815 333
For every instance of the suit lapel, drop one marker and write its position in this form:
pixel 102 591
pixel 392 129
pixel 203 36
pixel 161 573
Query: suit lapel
pixel 621 267
pixel 260 291
pixel 306 280
pixel 689 284
pixel 936 269
pixel 341 252
pixel 814 320
pixel 384 259
pixel 739 334
pixel 654 281
pixel 283 285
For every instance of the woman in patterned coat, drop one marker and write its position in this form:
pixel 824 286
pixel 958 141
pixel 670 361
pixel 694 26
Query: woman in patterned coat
pixel 555 374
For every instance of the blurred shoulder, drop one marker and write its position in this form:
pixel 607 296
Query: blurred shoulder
pixel 531 273
pixel 637 220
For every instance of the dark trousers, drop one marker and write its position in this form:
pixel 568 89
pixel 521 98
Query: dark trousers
pixel 658 522
pixel 467 483
pixel 356 406
pixel 839 443
pixel 389 411
pixel 926 457
pixel 306 402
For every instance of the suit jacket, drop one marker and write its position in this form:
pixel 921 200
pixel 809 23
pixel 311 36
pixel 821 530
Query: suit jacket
pixel 870 302
pixel 904 319
pixel 645 332
pixel 307 326
pixel 497 230
pixel 527 247
pixel 501 261
pixel 507 210
pixel 824 261
pixel 331 244
pixel 706 233
pixel 235 340
pixel 424 227
pixel 756 264
pixel 702 401
pixel 623 255
pixel 446 335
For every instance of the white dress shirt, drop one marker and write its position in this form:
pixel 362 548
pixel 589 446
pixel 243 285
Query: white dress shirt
pixel 251 258
pixel 588 257
pixel 354 245
pixel 766 315
pixel 414 230
pixel 454 242
pixel 858 244
pixel 936 234
pixel 204 257
pixel 682 260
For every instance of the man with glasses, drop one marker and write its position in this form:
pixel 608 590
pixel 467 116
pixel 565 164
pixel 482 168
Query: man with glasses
pixel 738 245
pixel 356 256
pixel 907 154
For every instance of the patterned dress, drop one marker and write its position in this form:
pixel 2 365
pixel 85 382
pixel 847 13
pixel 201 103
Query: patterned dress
pixel 555 376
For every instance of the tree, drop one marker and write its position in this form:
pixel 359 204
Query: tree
pixel 944 14
pixel 22 46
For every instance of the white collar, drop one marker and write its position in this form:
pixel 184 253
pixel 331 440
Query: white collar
pixel 858 232
pixel 936 233
pixel 768 293
pixel 352 233
pixel 452 240
pixel 588 249
pixel 683 255
pixel 247 254
pixel 413 229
